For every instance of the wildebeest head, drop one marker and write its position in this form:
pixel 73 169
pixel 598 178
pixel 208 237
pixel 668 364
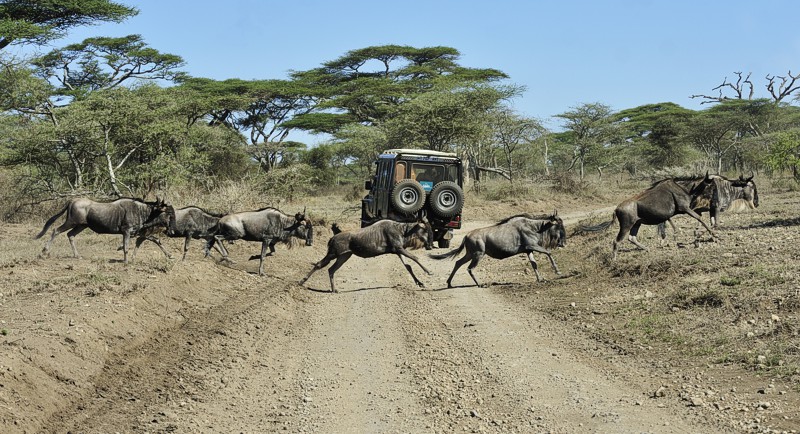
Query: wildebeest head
pixel 171 220
pixel 161 213
pixel 417 236
pixel 302 228
pixel 553 232
pixel 749 190
pixel 704 194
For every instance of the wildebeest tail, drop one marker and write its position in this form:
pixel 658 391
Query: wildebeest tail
pixel 582 228
pixel 450 254
pixel 51 221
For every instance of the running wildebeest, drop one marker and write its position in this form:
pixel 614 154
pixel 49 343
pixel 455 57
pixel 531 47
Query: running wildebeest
pixel 522 233
pixel 662 201
pixel 267 225
pixel 123 216
pixel 380 238
pixel 187 223
pixel 734 195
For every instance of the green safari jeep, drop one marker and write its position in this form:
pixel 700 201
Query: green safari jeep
pixel 412 184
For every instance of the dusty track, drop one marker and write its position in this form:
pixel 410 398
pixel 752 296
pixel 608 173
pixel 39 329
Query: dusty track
pixel 200 347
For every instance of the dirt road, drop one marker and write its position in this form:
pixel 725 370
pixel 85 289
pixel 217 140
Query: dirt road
pixel 200 347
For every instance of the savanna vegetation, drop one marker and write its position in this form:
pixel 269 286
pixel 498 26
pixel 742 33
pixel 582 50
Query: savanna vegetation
pixel 117 117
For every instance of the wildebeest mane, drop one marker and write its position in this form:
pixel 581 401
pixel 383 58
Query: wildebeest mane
pixel 525 215
pixel 216 214
pixel 270 208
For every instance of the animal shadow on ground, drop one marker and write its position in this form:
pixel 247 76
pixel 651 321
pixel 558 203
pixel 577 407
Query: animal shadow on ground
pixel 483 285
pixel 327 291
pixel 772 223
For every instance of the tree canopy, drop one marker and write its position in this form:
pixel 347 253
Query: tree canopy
pixel 40 21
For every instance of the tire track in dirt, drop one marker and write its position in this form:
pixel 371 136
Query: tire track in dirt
pixel 500 367
pixel 380 356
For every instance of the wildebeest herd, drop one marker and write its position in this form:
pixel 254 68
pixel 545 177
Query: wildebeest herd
pixel 523 233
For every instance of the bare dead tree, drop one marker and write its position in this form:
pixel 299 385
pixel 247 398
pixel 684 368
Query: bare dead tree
pixel 785 88
pixel 741 85
pixel 779 87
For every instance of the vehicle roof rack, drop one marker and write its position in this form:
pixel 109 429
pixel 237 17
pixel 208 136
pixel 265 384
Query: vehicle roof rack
pixel 420 152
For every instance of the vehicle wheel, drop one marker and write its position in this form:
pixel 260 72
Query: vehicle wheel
pixel 444 244
pixel 446 199
pixel 408 196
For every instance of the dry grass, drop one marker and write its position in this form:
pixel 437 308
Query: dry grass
pixel 736 301
pixel 732 302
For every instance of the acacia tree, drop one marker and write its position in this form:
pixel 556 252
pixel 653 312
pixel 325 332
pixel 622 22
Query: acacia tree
pixel 95 65
pixel 367 85
pixel 104 63
pixel 118 140
pixel 509 132
pixel 40 21
pixel 590 129
pixel 259 110
pixel 652 134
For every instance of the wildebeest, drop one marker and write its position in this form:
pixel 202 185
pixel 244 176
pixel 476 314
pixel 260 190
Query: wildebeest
pixel 380 238
pixel 187 223
pixel 663 200
pixel 123 216
pixel 731 195
pixel 268 225
pixel 522 233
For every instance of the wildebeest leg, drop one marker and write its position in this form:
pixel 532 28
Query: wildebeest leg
pixel 405 253
pixel 476 257
pixel 186 245
pixel 264 247
pixel 624 229
pixel 56 231
pixel 221 249
pixel 535 266
pixel 662 231
pixel 216 241
pixel 141 239
pixel 545 252
pixel 339 262
pixel 126 239
pixel 270 253
pixel 71 236
pixel 321 264
pixel 411 272
pixel 458 265
pixel 634 232
pixel 697 217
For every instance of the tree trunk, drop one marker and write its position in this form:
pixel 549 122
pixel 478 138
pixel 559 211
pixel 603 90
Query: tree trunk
pixel 546 158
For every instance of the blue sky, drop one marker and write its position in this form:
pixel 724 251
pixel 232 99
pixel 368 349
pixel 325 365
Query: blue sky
pixel 566 53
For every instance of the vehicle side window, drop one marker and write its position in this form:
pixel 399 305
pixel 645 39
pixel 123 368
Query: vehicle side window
pixel 399 171
pixel 383 176
pixel 451 174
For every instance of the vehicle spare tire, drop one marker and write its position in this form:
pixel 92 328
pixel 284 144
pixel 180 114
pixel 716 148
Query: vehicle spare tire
pixel 446 199
pixel 408 196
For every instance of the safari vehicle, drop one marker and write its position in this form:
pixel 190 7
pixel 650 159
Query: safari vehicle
pixel 412 184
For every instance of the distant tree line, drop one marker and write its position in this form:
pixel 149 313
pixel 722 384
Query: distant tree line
pixel 116 116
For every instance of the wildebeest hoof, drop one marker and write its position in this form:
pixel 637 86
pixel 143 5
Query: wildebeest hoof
pixel 420 284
